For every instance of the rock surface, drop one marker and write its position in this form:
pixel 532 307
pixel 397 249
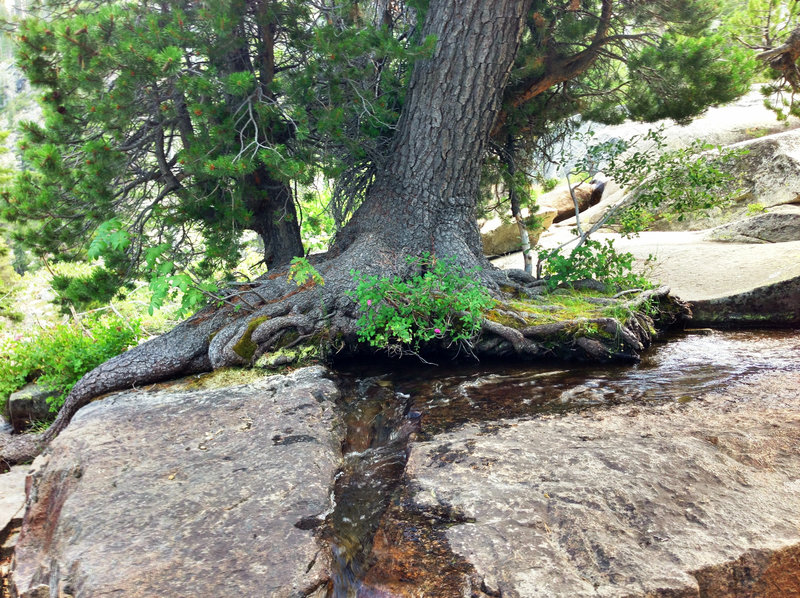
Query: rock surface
pixel 12 495
pixel 185 493
pixel 779 225
pixel 560 201
pixel 768 175
pixel 681 500
pixel 775 304
pixel 28 404
pixel 500 236
pixel 693 267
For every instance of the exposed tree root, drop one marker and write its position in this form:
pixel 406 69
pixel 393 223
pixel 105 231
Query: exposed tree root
pixel 276 313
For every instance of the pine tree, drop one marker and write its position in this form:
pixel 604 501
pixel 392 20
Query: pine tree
pixel 423 189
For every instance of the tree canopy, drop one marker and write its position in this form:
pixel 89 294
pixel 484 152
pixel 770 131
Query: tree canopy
pixel 772 28
pixel 172 127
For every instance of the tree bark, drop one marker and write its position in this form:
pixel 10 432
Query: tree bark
pixel 424 197
pixel 274 218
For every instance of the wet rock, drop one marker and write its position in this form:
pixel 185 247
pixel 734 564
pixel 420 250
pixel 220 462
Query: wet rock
pixel 776 304
pixel 29 404
pixel 185 493
pixel 678 500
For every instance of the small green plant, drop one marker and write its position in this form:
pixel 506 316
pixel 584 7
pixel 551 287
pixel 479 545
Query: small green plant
pixel 441 300
pixel 57 357
pixel 756 208
pixel 301 271
pixel 591 260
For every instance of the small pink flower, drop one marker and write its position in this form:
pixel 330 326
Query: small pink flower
pixel 369 302
pixel 437 331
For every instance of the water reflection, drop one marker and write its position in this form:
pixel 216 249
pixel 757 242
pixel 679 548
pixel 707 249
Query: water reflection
pixel 371 530
pixel 682 369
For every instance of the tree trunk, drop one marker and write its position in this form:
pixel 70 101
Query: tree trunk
pixel 274 218
pixel 425 195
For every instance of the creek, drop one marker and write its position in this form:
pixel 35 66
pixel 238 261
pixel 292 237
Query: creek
pixel 377 536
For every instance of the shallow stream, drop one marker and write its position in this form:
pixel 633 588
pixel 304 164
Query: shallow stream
pixel 377 538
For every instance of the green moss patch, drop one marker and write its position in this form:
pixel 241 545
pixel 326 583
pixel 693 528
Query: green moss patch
pixel 558 307
pixel 224 378
pixel 245 347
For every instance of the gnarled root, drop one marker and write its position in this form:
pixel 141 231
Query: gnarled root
pixel 277 314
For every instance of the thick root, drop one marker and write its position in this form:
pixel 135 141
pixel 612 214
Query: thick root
pixel 277 314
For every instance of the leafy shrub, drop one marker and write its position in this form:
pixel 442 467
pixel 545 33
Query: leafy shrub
pixel 301 272
pixel 8 285
pixel 57 357
pixel 592 259
pixel 665 183
pixel 756 208
pixel 441 301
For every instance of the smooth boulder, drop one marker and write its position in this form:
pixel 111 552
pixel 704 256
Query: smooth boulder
pixel 29 404
pixel 776 304
pixel 186 493
pixel 501 236
pixel 778 225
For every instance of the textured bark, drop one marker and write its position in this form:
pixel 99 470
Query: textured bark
pixel 784 59
pixel 424 197
pixel 274 218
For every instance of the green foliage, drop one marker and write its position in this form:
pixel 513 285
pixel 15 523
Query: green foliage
pixel 756 208
pixel 85 292
pixel 670 184
pixel 317 226
pixel 591 260
pixel 759 25
pixel 8 284
pixel 440 301
pixel 57 357
pixel 690 73
pixel 177 126
pixel 575 60
pixel 301 272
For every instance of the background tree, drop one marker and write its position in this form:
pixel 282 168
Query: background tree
pixel 771 28
pixel 171 127
pixel 163 118
pixel 607 61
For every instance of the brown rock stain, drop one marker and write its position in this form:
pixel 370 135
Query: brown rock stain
pixel 756 574
pixel 411 557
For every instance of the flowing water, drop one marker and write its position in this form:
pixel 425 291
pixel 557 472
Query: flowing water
pixel 373 532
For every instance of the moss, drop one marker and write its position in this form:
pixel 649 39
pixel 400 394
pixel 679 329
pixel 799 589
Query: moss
pixel 495 315
pixel 509 290
pixel 245 347
pixel 287 339
pixel 551 308
pixel 224 377
pixel 296 357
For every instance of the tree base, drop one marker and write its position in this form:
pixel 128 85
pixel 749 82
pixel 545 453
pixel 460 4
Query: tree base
pixel 275 314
